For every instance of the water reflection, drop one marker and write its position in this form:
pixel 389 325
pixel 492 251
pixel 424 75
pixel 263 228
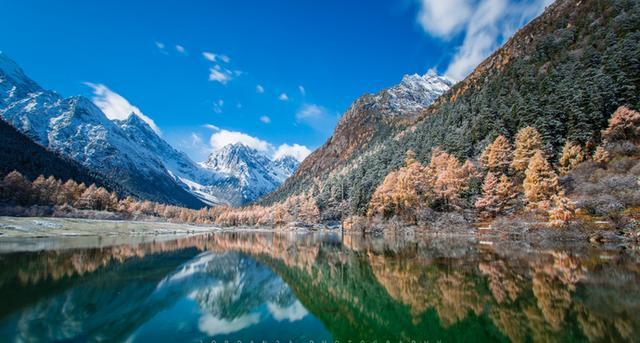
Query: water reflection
pixel 266 286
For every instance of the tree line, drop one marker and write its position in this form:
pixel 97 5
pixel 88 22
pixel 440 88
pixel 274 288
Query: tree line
pixel 513 177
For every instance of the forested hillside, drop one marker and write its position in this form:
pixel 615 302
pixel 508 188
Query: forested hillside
pixel 18 152
pixel 563 74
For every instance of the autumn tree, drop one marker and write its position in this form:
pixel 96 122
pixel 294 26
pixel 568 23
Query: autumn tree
pixel 497 195
pixel 402 192
pixel 18 188
pixel 528 141
pixel 540 183
pixel 497 155
pixel 562 210
pixel 39 192
pixel 446 178
pixel 309 212
pixel 382 200
pixel 601 155
pixel 279 214
pixel 488 203
pixel 572 155
pixel 623 125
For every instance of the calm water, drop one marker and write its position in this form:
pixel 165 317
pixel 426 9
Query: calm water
pixel 261 286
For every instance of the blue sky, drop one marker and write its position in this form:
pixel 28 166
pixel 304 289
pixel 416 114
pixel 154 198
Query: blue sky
pixel 273 74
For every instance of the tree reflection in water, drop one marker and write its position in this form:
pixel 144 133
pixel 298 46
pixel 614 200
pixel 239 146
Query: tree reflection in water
pixel 242 285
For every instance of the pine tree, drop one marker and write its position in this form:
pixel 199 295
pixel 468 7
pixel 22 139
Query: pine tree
pixel 571 156
pixel 540 183
pixel 528 140
pixel 497 155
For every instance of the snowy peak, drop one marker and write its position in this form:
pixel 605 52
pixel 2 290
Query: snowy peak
pixel 414 93
pixel 10 69
pixel 14 83
pixel 235 159
pixel 255 173
pixel 429 83
pixel 288 164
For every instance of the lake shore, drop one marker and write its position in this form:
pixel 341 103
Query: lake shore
pixel 40 227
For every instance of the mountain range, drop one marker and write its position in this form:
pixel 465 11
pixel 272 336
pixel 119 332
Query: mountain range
pixel 130 153
pixel 564 74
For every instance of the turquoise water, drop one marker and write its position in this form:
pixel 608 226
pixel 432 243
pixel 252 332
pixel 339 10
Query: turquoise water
pixel 315 287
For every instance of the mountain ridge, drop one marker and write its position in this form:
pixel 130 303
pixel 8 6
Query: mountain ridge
pixel 127 151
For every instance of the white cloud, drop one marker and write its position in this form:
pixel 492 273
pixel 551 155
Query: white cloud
pixel 299 152
pixel 310 111
pixel 218 74
pixel 486 24
pixel 443 18
pixel 316 117
pixel 213 326
pixel 225 137
pixel 218 105
pixel 210 56
pixel 195 138
pixel 221 138
pixel 265 119
pixel 302 90
pixel 291 313
pixel 115 106
pixel 160 45
pixel 259 89
pixel 283 97
pixel 211 127
pixel 180 49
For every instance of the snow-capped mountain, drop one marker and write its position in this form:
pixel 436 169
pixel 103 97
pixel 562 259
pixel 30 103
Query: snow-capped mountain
pixel 254 173
pixel 414 93
pixel 369 118
pixel 126 151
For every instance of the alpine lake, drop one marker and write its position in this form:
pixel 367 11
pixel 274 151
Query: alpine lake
pixel 260 286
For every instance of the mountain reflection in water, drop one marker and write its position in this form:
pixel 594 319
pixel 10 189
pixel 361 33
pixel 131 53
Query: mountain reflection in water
pixel 300 287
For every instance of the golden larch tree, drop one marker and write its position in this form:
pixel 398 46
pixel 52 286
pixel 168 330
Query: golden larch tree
pixel 446 177
pixel 601 155
pixel 562 212
pixel 497 155
pixel 572 155
pixel 623 125
pixel 497 195
pixel 528 141
pixel 382 199
pixel 541 183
